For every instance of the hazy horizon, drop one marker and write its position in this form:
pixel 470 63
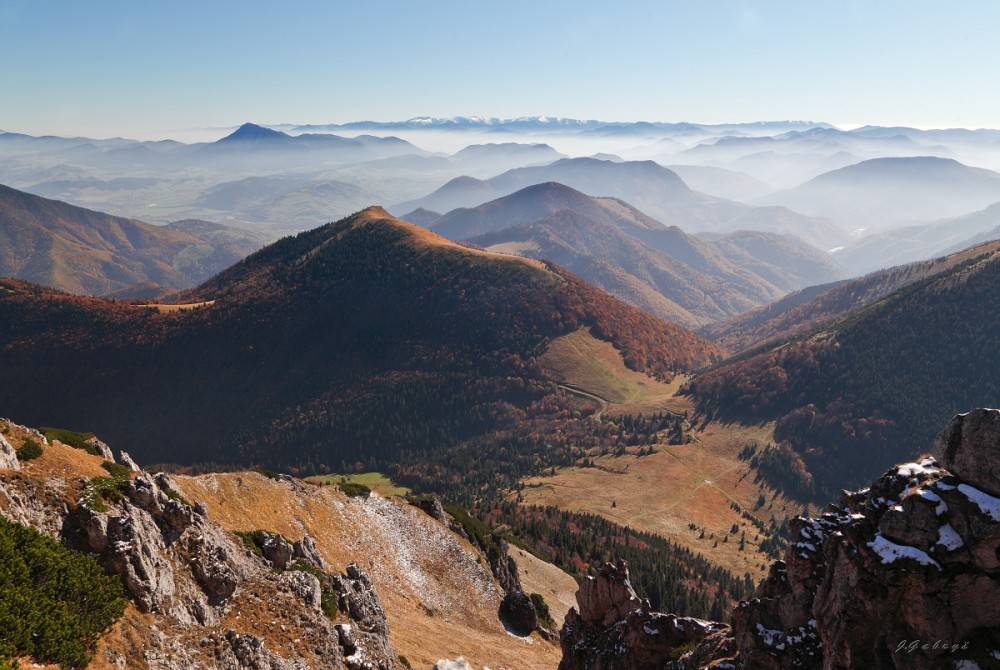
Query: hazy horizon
pixel 153 71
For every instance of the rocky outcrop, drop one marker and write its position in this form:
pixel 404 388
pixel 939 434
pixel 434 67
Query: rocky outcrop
pixel 276 549
pixel 127 461
pixel 365 641
pixel 8 457
pixel 902 575
pixel 970 449
pixel 102 449
pixel 614 630
pixel 141 538
pixel 504 567
pixel 305 550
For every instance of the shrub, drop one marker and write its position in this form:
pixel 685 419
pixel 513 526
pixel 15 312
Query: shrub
pixel 328 603
pixel 542 611
pixel 73 438
pixel 355 490
pixel 116 469
pixel 31 449
pixel 54 602
pixel 102 490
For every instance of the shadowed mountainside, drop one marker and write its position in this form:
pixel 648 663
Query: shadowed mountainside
pixel 367 341
pixel 851 395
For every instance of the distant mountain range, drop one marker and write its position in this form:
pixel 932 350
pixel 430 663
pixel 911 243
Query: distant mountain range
pixel 912 243
pixel 367 340
pixel 86 252
pixel 614 246
pixel 646 185
pixel 876 194
pixel 547 123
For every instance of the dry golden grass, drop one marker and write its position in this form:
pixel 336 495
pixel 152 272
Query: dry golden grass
pixel 57 459
pixel 177 308
pixel 537 576
pixel 676 486
pixel 513 247
pixel 665 492
pixel 440 602
pixel 422 237
pixel 581 360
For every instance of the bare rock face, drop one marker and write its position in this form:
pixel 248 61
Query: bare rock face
pixel 433 507
pixel 103 449
pixel 365 641
pixel 970 448
pixel 276 549
pixel 305 549
pixel 904 574
pixel 129 463
pixel 304 586
pixel 8 456
pixel 504 568
pixel 615 630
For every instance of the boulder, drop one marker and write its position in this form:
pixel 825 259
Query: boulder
pixel 970 448
pixel 276 549
pixel 102 449
pixel 127 461
pixel 518 614
pixel 8 456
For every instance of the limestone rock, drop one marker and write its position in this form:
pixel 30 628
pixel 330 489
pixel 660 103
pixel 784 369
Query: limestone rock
pixel 608 597
pixel 518 614
pixel 504 568
pixel 305 549
pixel 614 630
pixel 8 456
pixel 276 549
pixel 433 507
pixel 458 664
pixel 249 652
pixel 365 641
pixel 911 558
pixel 129 463
pixel 304 586
pixel 970 448
pixel 102 449
pixel 134 549
pixel 902 575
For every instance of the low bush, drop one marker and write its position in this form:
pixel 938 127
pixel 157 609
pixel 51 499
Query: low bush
pixel 54 602
pixel 73 438
pixel 31 449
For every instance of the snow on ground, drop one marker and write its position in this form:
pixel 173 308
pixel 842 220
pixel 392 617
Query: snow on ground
pixel 890 552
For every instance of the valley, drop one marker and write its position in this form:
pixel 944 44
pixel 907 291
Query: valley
pixel 549 363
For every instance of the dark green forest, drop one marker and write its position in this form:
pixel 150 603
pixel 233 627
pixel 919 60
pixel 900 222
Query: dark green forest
pixel 875 386
pixel 54 602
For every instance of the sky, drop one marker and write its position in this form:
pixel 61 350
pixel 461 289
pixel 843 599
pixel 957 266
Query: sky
pixel 151 69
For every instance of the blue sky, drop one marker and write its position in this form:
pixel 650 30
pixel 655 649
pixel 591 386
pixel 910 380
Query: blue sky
pixel 146 69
